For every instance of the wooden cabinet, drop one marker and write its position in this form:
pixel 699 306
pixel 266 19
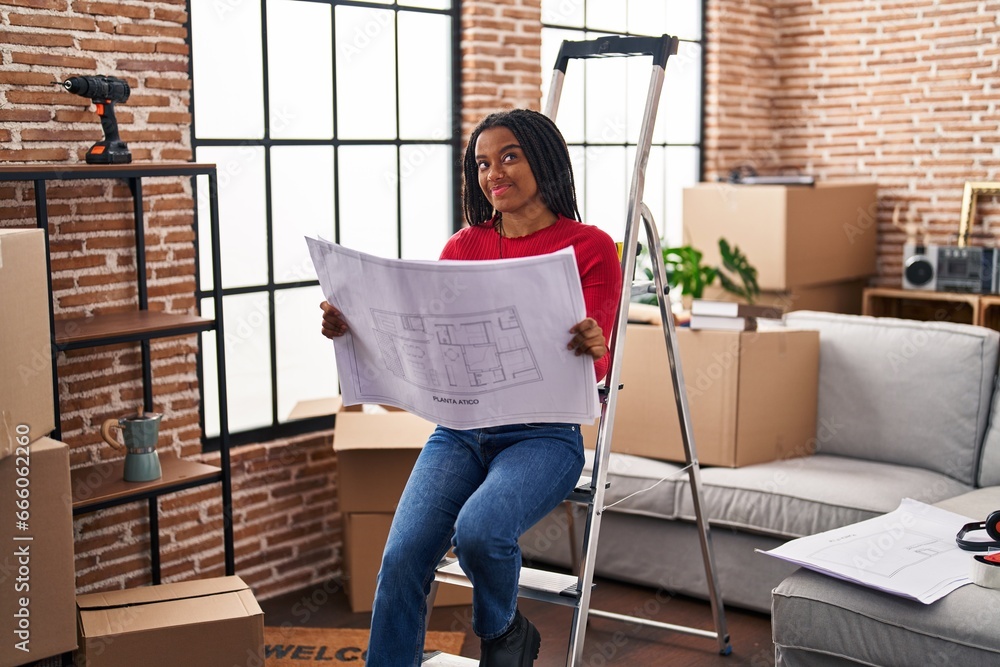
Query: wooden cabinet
pixel 100 486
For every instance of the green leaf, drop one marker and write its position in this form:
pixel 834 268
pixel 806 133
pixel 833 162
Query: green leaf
pixel 734 261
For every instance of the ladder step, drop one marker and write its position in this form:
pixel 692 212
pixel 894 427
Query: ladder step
pixel 534 584
pixel 582 493
pixel 439 659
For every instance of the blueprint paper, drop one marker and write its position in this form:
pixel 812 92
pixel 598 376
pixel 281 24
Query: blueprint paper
pixel 910 552
pixel 462 344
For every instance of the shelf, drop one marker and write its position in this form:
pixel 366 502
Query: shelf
pixel 989 311
pixel 922 305
pixel 112 328
pixel 29 172
pixel 102 485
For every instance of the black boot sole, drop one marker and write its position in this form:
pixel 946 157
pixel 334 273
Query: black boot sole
pixel 534 643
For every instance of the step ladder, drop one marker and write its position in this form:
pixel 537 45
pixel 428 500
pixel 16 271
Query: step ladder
pixel 575 590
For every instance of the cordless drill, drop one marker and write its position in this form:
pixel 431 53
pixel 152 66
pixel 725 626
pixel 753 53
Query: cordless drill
pixel 104 91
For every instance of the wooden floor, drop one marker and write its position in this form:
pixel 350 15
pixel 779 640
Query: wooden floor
pixel 608 642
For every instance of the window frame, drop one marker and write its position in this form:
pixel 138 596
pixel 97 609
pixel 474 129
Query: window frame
pixel 277 428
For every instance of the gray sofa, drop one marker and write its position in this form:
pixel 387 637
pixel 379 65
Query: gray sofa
pixel 903 411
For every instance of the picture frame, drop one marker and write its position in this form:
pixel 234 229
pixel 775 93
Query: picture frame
pixel 970 197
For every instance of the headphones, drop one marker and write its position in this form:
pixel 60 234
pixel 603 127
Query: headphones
pixel 992 528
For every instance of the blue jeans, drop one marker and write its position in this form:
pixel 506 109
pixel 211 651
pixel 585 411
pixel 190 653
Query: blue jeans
pixel 485 487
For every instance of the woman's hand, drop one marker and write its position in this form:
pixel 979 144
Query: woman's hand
pixel 334 325
pixel 588 339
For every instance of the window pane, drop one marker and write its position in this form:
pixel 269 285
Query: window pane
pixel 577 156
pixel 569 116
pixel 248 363
pixel 429 4
pixel 210 379
pixel 607 189
pixel 653 195
pixel 567 13
pixel 225 39
pixel 426 196
pixel 684 19
pixel 606 15
pixel 606 100
pixel 682 172
pixel 307 368
pixel 204 229
pixel 242 223
pixel 649 17
pixel 640 70
pixel 681 99
pixel 366 73
pixel 368 199
pixel 301 205
pixel 300 70
pixel 424 76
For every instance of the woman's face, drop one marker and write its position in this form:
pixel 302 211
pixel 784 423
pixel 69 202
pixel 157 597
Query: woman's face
pixel 505 176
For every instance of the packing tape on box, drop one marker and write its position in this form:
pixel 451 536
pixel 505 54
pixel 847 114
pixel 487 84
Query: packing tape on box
pixel 986 570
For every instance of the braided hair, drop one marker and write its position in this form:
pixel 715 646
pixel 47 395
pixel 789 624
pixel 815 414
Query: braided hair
pixel 544 148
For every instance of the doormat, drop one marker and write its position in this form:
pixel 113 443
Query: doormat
pixel 296 647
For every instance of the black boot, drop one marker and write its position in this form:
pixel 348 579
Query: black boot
pixel 518 647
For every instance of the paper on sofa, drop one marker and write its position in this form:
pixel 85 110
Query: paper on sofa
pixel 910 552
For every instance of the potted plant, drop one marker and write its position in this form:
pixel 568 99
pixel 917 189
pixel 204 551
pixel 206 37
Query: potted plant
pixel 685 270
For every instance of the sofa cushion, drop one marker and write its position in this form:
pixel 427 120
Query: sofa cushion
pixel 809 495
pixel 989 467
pixel 819 620
pixel 976 505
pixel 903 391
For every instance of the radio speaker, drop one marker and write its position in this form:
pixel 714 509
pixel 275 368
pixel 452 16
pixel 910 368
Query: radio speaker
pixel 920 266
pixel 951 269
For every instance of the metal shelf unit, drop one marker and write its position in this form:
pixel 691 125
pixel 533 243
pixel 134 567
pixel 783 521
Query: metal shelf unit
pixel 100 486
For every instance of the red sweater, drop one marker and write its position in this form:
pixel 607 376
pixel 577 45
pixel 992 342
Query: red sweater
pixel 596 259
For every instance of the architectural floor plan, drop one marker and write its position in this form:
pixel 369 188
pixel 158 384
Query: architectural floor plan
pixel 464 354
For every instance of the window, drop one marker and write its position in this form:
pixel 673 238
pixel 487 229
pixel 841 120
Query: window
pixel 325 118
pixel 602 103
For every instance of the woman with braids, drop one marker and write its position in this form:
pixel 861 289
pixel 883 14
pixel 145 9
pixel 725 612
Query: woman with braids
pixel 479 490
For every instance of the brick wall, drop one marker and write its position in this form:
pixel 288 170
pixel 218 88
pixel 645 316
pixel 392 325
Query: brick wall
pixel 741 84
pixel 902 93
pixel 501 51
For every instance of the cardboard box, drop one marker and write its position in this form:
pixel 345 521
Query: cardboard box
pixel 795 236
pixel 26 398
pixel 205 623
pixel 375 454
pixel 752 395
pixel 37 572
pixel 316 407
pixel 364 539
pixel 843 297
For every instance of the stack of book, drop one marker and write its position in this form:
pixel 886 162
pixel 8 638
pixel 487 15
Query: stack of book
pixel 729 316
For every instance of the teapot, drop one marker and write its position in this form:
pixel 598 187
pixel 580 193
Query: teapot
pixel 139 432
